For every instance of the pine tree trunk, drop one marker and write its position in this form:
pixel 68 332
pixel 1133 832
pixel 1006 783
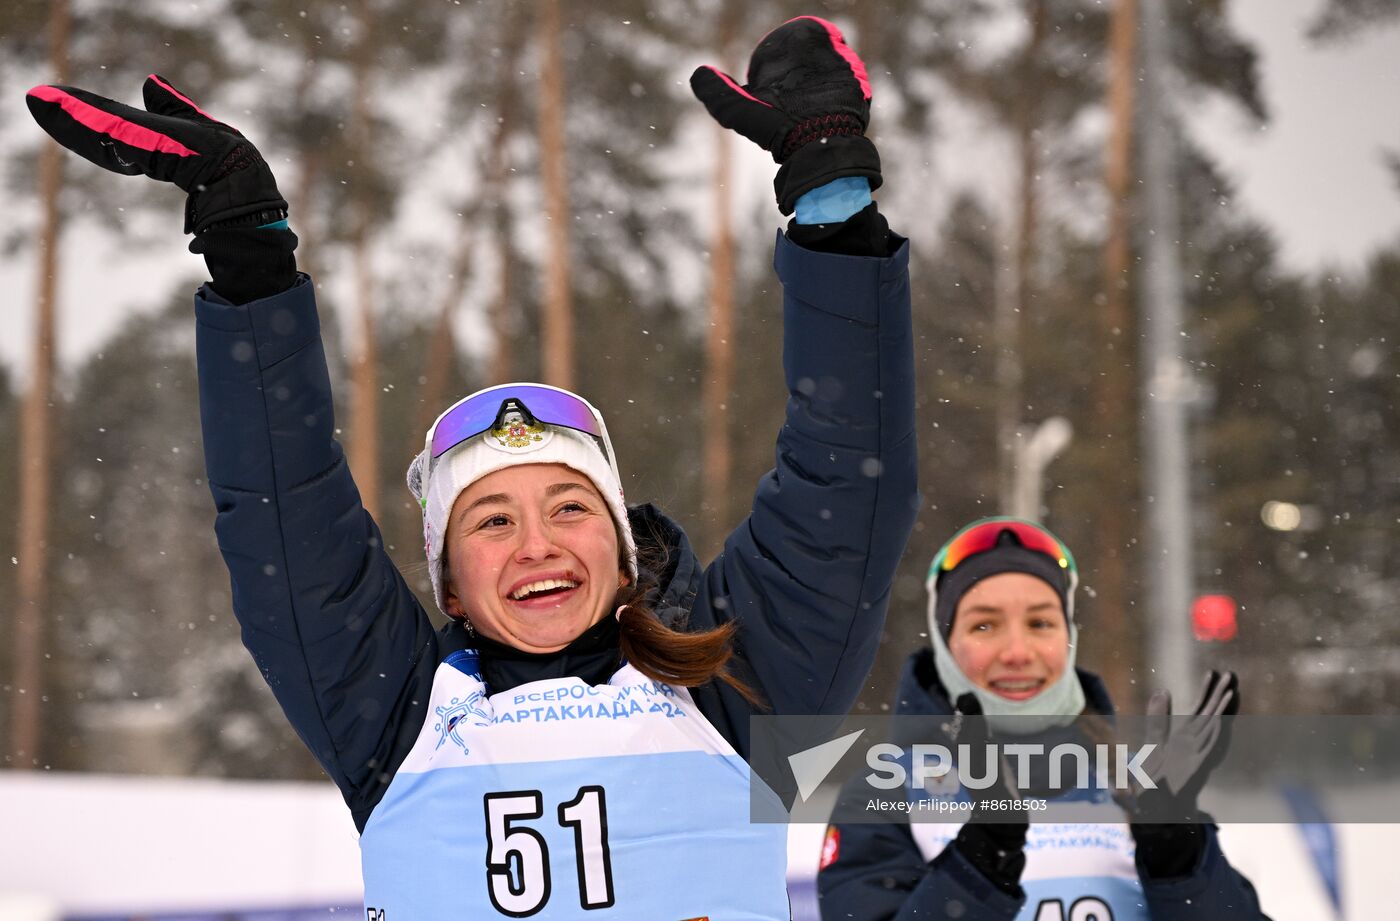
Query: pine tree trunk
pixel 363 449
pixel 719 354
pixel 442 346
pixel 501 367
pixel 302 219
pixel 557 333
pixel 312 164
pixel 1116 397
pixel 36 451
pixel 1014 312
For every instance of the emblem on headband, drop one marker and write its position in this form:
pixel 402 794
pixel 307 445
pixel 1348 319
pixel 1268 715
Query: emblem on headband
pixel 515 432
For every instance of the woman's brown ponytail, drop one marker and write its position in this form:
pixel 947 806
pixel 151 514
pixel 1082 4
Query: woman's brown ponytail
pixel 689 658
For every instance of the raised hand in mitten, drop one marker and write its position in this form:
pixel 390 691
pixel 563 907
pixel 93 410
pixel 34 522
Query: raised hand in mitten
pixel 172 140
pixel 1188 748
pixel 807 102
pixel 1166 822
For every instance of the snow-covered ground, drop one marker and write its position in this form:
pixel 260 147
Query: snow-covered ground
pixel 102 846
pixel 106 845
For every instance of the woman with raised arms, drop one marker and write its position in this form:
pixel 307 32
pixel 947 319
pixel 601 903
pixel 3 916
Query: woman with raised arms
pixel 575 739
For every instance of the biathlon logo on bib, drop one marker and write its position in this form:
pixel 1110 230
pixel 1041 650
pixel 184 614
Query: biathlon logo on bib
pixel 452 714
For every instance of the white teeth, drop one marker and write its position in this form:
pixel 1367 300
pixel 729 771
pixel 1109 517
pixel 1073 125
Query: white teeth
pixel 1017 685
pixel 543 585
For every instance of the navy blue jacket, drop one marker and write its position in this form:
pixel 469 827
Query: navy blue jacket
pixel 350 653
pixel 879 873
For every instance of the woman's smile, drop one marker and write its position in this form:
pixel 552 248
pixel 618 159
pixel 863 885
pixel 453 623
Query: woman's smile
pixel 533 589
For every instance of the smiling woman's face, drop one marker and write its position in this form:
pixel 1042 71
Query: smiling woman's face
pixel 532 556
pixel 1009 635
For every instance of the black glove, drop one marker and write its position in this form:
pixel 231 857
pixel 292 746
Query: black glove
pixel 227 180
pixel 992 840
pixel 1186 753
pixel 807 102
pixel 1188 748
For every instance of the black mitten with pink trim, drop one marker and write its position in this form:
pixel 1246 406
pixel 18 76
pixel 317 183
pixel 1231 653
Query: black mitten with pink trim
pixel 807 102
pixel 172 140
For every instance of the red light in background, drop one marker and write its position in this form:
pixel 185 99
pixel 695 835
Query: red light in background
pixel 1213 618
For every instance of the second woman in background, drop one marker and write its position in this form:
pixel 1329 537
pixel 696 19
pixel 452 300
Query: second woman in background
pixel 1003 645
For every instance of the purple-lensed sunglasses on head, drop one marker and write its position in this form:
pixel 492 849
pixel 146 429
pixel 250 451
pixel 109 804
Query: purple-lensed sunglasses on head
pixel 484 410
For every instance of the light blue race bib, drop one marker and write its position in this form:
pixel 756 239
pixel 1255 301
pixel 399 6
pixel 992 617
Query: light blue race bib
pixel 562 800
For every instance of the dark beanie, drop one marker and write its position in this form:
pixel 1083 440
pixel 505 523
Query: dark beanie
pixel 1007 556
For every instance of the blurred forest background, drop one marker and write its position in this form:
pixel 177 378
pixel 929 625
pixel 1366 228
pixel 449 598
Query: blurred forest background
pixel 489 191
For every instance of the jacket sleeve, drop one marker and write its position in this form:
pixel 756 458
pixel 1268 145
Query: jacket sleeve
pixel 808 572
pixel 876 873
pixel 334 629
pixel 1216 891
